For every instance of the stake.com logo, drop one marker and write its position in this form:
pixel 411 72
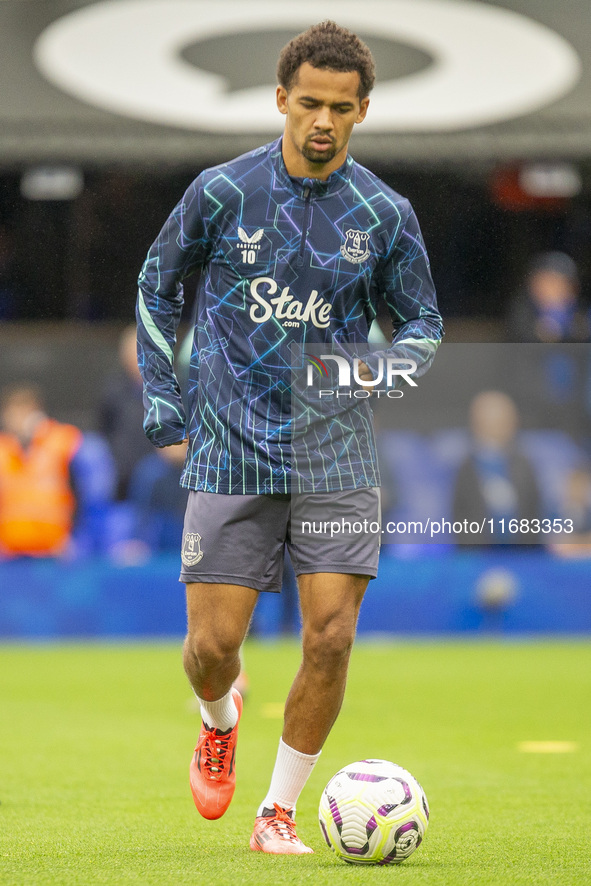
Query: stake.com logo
pixel 389 369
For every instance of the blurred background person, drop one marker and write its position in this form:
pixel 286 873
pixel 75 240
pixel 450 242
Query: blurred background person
pixel 159 500
pixel 576 506
pixel 37 495
pixel 554 380
pixel 496 480
pixel 549 308
pixel 121 413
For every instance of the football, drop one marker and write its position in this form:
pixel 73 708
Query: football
pixel 373 812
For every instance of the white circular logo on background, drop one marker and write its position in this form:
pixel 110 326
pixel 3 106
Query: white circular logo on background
pixel 490 64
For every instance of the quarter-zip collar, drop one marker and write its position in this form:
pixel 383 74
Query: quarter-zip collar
pixel 307 188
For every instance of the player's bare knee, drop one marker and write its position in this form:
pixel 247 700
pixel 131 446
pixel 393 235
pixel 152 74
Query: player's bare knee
pixel 328 647
pixel 207 652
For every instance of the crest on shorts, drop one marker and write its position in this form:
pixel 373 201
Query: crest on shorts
pixel 356 246
pixel 191 552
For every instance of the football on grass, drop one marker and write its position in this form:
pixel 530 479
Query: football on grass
pixel 373 812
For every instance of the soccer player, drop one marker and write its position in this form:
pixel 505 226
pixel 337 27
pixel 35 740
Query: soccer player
pixel 295 243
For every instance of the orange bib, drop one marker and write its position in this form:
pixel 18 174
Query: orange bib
pixel 36 500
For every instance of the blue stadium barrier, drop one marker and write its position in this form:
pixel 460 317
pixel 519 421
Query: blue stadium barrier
pixel 443 594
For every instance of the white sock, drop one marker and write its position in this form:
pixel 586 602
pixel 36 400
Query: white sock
pixel 220 714
pixel 289 777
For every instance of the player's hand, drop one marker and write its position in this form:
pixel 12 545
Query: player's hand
pixel 365 374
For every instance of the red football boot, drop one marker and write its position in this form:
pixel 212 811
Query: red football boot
pixel 275 833
pixel 212 772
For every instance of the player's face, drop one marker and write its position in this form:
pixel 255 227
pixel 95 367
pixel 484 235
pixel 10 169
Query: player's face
pixel 322 108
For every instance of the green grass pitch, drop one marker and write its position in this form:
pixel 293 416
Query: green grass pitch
pixel 95 742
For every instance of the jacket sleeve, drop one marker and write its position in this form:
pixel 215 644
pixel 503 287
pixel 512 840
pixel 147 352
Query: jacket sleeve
pixel 404 279
pixel 181 247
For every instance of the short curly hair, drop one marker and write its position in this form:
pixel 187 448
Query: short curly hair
pixel 327 45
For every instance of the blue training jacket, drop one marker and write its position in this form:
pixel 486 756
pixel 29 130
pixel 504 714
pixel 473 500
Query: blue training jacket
pixel 284 264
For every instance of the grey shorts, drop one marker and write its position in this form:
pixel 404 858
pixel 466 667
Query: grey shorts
pixel 241 539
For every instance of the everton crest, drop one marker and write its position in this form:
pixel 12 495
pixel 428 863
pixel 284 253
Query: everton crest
pixel 356 246
pixel 191 552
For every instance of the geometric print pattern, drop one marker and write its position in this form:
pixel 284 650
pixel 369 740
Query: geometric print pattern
pixel 284 264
